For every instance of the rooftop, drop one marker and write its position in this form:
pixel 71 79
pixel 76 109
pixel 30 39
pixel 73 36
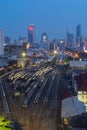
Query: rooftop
pixel 66 93
pixel 78 63
pixel 82 81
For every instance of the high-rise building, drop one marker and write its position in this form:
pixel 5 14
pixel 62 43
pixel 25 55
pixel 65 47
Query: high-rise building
pixel 44 38
pixel 70 39
pixel 84 44
pixel 7 40
pixel 61 44
pixel 31 34
pixel 61 41
pixel 22 40
pixel 53 45
pixel 78 35
pixel 1 42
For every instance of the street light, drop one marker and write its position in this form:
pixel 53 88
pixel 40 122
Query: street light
pixel 23 54
pixel 23 59
pixel 55 51
pixel 76 55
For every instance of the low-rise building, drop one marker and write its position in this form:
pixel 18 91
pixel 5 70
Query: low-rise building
pixel 10 50
pixel 80 65
pixel 81 80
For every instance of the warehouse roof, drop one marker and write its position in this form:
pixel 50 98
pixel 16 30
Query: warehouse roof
pixel 71 106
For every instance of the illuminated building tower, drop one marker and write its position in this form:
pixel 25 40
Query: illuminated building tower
pixel 78 35
pixel 61 44
pixel 31 34
pixel 1 42
pixel 44 38
pixel 44 41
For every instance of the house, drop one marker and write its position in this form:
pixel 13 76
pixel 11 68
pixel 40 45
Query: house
pixel 81 80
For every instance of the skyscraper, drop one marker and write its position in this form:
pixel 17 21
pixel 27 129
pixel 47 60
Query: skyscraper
pixel 44 38
pixel 1 42
pixel 78 34
pixel 70 39
pixel 31 34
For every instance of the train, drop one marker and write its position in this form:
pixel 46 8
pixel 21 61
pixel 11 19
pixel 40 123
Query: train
pixel 29 96
pixel 40 92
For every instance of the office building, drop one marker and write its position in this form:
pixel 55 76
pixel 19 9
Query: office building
pixel 31 34
pixel 1 42
pixel 70 39
pixel 22 40
pixel 61 41
pixel 44 38
pixel 14 50
pixel 7 40
pixel 78 35
pixel 53 45
pixel 61 44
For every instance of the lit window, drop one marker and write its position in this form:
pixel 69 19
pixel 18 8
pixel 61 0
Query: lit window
pixel 79 92
pixel 84 92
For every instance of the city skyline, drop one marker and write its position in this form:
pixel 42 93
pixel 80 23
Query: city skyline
pixel 48 16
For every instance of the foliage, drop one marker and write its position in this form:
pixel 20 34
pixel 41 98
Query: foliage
pixel 66 60
pixel 5 124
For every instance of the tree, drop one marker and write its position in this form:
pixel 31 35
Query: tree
pixel 5 124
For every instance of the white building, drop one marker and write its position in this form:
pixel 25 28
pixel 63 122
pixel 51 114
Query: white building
pixel 1 42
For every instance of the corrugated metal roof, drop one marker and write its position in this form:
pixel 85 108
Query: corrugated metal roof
pixel 71 106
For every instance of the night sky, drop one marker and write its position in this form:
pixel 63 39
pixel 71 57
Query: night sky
pixel 51 16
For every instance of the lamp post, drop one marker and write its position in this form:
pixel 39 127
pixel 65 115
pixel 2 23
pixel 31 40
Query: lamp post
pixel 23 54
pixel 23 62
pixel 55 52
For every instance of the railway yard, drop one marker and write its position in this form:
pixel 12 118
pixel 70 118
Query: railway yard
pixel 33 98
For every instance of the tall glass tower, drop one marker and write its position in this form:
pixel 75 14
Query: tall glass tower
pixel 1 42
pixel 31 34
pixel 78 33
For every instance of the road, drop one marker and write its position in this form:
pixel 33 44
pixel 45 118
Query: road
pixel 44 115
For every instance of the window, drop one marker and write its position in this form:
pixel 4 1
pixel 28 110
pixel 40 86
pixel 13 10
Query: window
pixel 79 92
pixel 84 92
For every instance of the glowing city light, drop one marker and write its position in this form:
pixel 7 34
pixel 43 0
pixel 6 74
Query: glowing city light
pixel 31 27
pixel 23 54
